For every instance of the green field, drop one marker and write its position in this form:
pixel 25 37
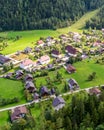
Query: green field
pixel 11 89
pixel 29 38
pixel 4 118
pixel 84 69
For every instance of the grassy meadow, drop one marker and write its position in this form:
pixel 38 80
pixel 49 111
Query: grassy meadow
pixel 84 69
pixel 11 89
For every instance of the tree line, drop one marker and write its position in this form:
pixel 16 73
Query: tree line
pixel 98 21
pixel 42 14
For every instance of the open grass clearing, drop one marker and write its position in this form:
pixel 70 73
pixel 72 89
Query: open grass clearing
pixel 84 69
pixel 4 118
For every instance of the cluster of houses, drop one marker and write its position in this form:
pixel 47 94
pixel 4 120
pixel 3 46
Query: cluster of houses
pixel 45 60
pixel 57 103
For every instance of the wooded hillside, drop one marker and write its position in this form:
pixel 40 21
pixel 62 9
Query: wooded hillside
pixel 98 21
pixel 42 14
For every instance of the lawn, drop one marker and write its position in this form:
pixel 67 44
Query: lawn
pixel 4 118
pixel 84 69
pixel 11 89
pixel 29 38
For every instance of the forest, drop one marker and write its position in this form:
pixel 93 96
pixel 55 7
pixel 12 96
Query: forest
pixel 43 14
pixel 84 112
pixel 97 21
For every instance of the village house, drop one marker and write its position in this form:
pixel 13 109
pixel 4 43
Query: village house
pixel 28 77
pixel 65 58
pixel 44 91
pixel 4 60
pixel 76 37
pixel 71 51
pixel 18 112
pixel 58 103
pixel 30 86
pixel 40 43
pixel 28 50
pixel 73 84
pixel 50 41
pixel 50 66
pixel 19 74
pixel 8 75
pixel 70 68
pixel 27 65
pixel 35 96
pixel 44 59
pixel 55 53
pixel 95 91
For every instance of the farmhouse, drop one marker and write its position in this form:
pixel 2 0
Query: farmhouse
pixel 27 50
pixel 95 91
pixel 71 51
pixel 18 112
pixel 44 91
pixel 19 74
pixel 30 86
pixel 73 84
pixel 28 77
pixel 70 68
pixel 55 53
pixel 44 59
pixel 4 60
pixel 40 43
pixel 9 75
pixel 36 96
pixel 27 64
pixel 58 103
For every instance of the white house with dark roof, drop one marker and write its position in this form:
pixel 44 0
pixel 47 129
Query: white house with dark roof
pixel 58 103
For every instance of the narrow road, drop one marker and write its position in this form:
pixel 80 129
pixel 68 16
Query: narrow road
pixel 42 100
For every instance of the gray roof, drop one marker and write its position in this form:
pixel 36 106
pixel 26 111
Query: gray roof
pixel 29 84
pixel 4 59
pixel 58 100
pixel 28 49
pixel 28 76
pixel 44 90
pixel 72 82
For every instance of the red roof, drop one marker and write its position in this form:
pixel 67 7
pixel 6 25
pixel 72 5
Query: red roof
pixel 28 62
pixel 40 42
pixel 71 68
pixel 44 58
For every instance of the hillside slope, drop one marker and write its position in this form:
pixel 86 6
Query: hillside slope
pixel 43 14
pixel 98 21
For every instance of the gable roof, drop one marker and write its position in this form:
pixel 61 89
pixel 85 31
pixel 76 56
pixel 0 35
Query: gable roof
pixel 28 76
pixel 44 90
pixel 44 58
pixel 55 52
pixel 40 42
pixel 16 112
pixel 57 101
pixel 72 82
pixel 27 62
pixel 28 49
pixel 4 59
pixel 71 49
pixel 95 91
pixel 70 68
